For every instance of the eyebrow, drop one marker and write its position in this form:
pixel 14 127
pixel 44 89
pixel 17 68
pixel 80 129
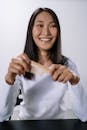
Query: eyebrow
pixel 43 21
pixel 39 21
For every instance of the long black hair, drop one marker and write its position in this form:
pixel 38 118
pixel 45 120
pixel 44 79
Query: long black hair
pixel 30 47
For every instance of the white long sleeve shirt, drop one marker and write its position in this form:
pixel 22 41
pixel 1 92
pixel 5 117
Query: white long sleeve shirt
pixel 43 98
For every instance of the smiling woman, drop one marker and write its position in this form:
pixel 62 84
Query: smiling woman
pixel 43 75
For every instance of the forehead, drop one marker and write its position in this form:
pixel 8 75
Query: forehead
pixel 44 16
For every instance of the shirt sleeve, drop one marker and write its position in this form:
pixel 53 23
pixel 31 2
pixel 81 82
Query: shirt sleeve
pixel 8 96
pixel 79 103
pixel 78 95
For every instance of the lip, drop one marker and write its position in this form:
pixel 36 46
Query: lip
pixel 45 39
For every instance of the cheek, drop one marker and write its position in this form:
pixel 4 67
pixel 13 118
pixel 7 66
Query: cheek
pixel 54 33
pixel 35 32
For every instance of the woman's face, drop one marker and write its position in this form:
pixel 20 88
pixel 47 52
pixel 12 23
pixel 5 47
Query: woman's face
pixel 44 31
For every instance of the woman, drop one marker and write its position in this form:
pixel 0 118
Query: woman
pixel 43 74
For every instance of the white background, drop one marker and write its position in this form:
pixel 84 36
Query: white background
pixel 14 17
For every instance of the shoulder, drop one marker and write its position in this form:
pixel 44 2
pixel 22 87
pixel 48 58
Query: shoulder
pixel 72 66
pixel 71 63
pixel 68 62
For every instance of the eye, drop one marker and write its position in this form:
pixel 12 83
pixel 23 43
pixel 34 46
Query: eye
pixel 53 25
pixel 39 25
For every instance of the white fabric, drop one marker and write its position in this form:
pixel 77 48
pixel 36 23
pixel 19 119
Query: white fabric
pixel 43 98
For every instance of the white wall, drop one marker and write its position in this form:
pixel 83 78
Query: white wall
pixel 14 16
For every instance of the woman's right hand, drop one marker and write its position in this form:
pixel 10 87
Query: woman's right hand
pixel 18 66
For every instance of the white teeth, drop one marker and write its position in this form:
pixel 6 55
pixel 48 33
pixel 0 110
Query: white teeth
pixel 45 39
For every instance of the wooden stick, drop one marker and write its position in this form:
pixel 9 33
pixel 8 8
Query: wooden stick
pixel 38 68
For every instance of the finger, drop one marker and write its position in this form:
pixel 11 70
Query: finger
pixel 20 62
pixel 56 74
pixel 67 78
pixel 61 78
pixel 14 71
pixel 53 67
pixel 62 68
pixel 17 67
pixel 24 57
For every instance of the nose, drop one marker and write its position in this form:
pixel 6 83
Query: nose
pixel 46 31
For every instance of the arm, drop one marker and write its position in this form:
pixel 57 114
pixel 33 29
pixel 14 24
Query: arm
pixel 8 96
pixel 9 87
pixel 78 96
pixel 78 99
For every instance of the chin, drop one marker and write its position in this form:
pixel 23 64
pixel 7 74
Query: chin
pixel 46 48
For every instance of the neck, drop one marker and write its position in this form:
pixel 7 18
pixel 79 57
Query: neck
pixel 44 58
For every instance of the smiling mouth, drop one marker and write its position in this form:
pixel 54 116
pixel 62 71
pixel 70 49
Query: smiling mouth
pixel 45 39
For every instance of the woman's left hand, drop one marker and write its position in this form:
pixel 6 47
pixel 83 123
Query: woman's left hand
pixel 62 73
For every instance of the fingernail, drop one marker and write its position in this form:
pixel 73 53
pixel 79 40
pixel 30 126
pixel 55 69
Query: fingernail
pixel 18 58
pixel 50 67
